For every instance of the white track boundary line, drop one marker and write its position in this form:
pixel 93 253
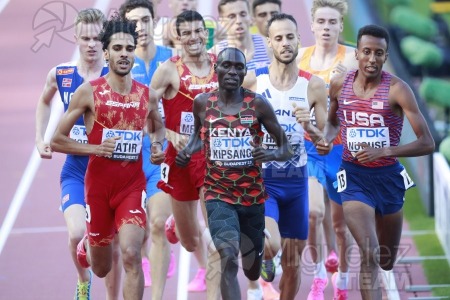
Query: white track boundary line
pixel 389 285
pixel 34 230
pixel 34 160
pixel 3 4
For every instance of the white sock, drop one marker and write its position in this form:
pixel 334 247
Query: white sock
pixel 342 280
pixel 320 271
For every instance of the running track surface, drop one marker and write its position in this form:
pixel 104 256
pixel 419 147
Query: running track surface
pixel 34 262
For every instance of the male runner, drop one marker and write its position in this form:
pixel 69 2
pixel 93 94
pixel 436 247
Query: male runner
pixel 368 106
pixel 115 109
pixel 65 79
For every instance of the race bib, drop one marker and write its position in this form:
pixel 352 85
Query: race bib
pixel 128 147
pixel 187 123
pixel 357 137
pixel 165 172
pixel 78 133
pixel 231 151
pixel 341 181
pixel 88 213
pixel 144 201
pixel 161 110
pixel 406 179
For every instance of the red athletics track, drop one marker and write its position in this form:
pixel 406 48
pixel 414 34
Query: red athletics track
pixel 34 261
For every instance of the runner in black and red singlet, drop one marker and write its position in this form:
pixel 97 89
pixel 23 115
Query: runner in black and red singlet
pixel 229 122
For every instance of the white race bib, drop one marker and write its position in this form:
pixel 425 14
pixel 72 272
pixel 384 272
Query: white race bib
pixel 128 147
pixel 144 201
pixel 78 133
pixel 341 181
pixel 406 179
pixel 165 172
pixel 377 137
pixel 88 213
pixel 187 123
pixel 231 151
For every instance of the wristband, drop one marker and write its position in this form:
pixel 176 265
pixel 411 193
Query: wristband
pixel 159 143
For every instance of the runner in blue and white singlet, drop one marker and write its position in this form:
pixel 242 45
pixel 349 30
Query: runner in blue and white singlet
pixel 293 93
pixel 74 168
pixel 260 58
pixel 287 182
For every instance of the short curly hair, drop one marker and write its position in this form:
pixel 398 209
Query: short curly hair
pixel 115 25
pixel 129 5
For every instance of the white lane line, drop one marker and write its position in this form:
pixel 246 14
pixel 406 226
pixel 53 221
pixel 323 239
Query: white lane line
pixel 184 262
pixel 32 230
pixel 35 160
pixel 389 285
pixel 3 4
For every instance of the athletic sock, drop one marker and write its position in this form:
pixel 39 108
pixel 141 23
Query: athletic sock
pixel 320 271
pixel 342 280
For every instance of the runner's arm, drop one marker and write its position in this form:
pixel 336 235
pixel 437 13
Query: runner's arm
pixel 82 103
pixel 267 117
pixel 43 112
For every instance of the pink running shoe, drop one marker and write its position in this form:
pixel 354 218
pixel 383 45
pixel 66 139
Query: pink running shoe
pixel 81 253
pixel 317 289
pixel 146 270
pixel 172 265
pixel 198 284
pixel 338 294
pixel 269 292
pixel 170 230
pixel 332 262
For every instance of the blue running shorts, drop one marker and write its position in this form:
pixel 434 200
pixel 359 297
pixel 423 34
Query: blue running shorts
pixel 382 188
pixel 288 202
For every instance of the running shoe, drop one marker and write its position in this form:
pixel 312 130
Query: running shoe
pixel 170 230
pixel 172 265
pixel 83 290
pixel 146 270
pixel 255 294
pixel 268 270
pixel 81 253
pixel 317 289
pixel 332 262
pixel 198 284
pixel 269 292
pixel 337 293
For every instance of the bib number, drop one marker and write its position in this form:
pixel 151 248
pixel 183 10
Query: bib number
pixel 406 179
pixel 88 213
pixel 341 181
pixel 165 172
pixel 144 201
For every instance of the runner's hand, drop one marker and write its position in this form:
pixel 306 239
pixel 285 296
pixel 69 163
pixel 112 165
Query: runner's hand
pixel 179 141
pixel 157 154
pixel 260 153
pixel 323 147
pixel 183 158
pixel 44 150
pixel 302 115
pixel 106 148
pixel 338 69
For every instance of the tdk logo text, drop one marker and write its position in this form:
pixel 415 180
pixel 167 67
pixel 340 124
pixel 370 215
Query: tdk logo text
pixel 125 135
pixel 368 132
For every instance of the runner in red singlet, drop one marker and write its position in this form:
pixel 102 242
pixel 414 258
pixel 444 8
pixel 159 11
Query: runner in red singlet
pixel 115 110
pixel 177 82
